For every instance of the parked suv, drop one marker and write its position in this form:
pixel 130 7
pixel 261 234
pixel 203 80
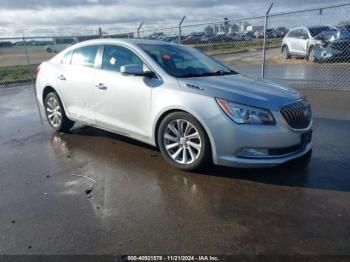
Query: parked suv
pixel 318 43
pixel 195 109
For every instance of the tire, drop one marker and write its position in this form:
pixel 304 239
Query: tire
pixel 183 142
pixel 312 57
pixel 49 50
pixel 285 52
pixel 55 114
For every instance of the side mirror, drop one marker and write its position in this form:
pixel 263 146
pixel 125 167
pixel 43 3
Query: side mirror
pixel 136 70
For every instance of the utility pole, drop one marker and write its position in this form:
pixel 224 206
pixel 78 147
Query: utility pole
pixel 138 29
pixel 182 20
pixel 264 44
pixel 30 72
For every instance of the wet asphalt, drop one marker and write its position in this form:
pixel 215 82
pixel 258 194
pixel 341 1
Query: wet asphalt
pixel 93 192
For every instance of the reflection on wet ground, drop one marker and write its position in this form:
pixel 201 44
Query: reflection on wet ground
pixel 93 192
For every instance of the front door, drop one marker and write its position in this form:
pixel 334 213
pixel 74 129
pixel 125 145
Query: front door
pixel 122 103
pixel 302 42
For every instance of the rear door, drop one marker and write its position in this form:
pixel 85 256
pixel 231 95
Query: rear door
pixel 75 80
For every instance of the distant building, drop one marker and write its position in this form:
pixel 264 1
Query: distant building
pixel 233 29
pixel 216 29
pixel 221 29
pixel 244 26
pixel 208 31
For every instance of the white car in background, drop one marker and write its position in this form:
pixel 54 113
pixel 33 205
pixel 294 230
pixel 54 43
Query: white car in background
pixel 60 43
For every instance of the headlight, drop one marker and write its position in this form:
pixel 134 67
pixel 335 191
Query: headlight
pixel 242 114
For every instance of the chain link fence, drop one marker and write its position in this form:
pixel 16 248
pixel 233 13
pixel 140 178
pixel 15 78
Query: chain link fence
pixel 306 49
pixel 316 51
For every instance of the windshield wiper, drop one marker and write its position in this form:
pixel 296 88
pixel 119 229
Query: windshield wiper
pixel 217 73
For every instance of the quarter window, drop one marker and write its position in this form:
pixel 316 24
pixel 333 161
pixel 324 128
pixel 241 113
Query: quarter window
pixel 85 56
pixel 116 56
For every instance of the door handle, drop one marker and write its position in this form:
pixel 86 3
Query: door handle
pixel 101 86
pixel 61 77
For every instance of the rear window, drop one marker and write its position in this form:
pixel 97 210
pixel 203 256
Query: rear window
pixel 85 56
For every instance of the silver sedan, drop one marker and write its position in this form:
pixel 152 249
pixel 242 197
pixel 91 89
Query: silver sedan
pixel 193 108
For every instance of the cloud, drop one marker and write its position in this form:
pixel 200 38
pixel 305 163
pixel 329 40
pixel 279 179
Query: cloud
pixel 85 16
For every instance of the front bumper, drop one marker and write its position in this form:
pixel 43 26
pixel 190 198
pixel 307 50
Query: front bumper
pixel 331 53
pixel 239 162
pixel 229 139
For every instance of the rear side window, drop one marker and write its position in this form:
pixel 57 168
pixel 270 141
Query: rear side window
pixel 67 58
pixel 85 56
pixel 116 56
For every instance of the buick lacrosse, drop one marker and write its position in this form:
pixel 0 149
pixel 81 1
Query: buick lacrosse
pixel 193 108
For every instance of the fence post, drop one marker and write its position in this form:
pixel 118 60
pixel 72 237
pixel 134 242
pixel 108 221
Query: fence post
pixel 264 43
pixel 138 29
pixel 182 20
pixel 30 71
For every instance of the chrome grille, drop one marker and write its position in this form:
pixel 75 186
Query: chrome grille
pixel 297 115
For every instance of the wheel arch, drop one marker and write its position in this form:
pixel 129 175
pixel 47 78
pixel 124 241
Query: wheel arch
pixel 283 46
pixel 48 89
pixel 168 111
pixel 309 48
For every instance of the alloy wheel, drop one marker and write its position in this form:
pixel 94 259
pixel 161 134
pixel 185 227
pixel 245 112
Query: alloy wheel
pixel 53 111
pixel 182 141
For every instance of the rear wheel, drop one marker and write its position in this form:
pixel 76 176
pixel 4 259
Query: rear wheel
pixel 184 142
pixel 285 52
pixel 55 113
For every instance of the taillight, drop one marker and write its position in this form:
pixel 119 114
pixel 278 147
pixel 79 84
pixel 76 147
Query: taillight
pixel 37 70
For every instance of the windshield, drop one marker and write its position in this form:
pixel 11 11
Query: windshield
pixel 180 61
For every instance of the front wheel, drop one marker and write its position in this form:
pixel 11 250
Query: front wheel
pixel 313 55
pixel 183 142
pixel 55 113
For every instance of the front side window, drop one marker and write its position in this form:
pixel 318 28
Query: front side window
pixel 67 58
pixel 180 61
pixel 85 56
pixel 304 34
pixel 116 56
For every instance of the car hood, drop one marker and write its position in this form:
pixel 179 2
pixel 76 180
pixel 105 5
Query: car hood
pixel 254 92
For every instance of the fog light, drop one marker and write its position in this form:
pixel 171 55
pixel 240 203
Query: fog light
pixel 253 152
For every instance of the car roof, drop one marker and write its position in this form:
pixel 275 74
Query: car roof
pixel 134 41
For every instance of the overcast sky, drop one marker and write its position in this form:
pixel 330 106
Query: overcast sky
pixel 85 16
